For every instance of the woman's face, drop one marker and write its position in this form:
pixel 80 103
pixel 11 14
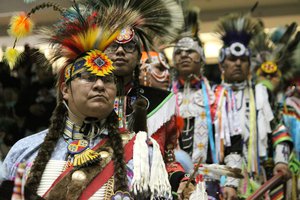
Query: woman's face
pixel 90 95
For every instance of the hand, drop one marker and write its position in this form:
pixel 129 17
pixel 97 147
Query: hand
pixel 282 168
pixel 184 192
pixel 230 193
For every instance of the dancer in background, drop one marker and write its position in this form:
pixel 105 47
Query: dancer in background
pixel 276 64
pixel 201 137
pixel 253 106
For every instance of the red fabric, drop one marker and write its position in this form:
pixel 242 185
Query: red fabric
pixel 193 82
pixel 174 167
pixel 167 134
pixel 160 137
pixel 172 132
pixel 180 123
pixel 106 173
pixel 62 175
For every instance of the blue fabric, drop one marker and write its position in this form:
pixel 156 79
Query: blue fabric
pixel 209 123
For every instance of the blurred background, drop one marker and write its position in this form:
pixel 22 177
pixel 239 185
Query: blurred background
pixel 273 13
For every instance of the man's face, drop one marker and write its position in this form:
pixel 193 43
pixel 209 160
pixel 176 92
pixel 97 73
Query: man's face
pixel 187 62
pixel 125 57
pixel 235 69
pixel 90 96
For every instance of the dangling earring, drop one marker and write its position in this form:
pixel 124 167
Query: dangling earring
pixel 146 80
pixel 145 77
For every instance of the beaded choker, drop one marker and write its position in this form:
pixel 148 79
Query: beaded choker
pixel 80 154
pixel 88 130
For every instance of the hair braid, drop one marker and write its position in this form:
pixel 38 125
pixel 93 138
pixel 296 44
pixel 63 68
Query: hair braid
pixel 55 130
pixel 120 172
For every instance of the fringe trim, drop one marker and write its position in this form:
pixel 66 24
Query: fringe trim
pixel 149 179
pixel 161 114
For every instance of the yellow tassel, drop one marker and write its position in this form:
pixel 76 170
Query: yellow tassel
pixel 86 158
pixel 20 26
pixel 11 55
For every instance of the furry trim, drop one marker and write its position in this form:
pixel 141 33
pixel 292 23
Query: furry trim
pixel 76 187
pixel 140 115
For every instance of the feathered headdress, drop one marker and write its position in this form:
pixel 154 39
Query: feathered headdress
pixel 189 38
pixel 82 35
pixel 272 54
pixel 155 20
pixel 236 30
pixel 21 26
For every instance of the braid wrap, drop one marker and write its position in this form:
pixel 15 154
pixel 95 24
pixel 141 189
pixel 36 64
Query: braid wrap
pixel 120 172
pixel 47 147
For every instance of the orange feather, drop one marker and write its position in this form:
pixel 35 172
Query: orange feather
pixel 20 26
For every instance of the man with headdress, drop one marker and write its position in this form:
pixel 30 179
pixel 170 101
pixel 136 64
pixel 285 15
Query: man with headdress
pixel 201 138
pixel 274 54
pixel 85 153
pixel 253 107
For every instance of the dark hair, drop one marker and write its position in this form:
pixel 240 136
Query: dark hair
pixel 55 131
pixel 120 172
pixel 47 147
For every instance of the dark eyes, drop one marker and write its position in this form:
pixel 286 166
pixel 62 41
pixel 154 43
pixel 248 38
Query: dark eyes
pixel 129 47
pixel 188 51
pixel 91 78
pixel 235 58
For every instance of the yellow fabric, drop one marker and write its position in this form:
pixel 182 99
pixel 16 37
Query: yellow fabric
pixel 252 150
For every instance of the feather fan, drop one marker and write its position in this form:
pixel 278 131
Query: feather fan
pixel 220 170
